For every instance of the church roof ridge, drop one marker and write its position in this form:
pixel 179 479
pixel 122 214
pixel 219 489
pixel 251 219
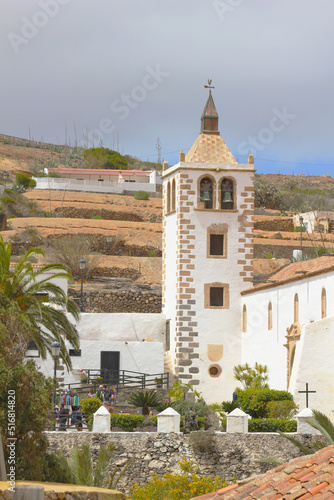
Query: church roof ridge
pixel 296 271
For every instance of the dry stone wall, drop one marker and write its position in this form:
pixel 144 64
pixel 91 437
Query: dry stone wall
pixel 228 455
pixel 275 224
pixel 119 301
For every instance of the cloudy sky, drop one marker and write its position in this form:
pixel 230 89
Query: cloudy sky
pixel 129 71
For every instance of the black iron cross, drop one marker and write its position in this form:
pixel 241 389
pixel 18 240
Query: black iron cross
pixel 208 86
pixel 307 392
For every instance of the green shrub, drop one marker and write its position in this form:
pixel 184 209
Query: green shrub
pixel 24 181
pixel 272 425
pixel 90 405
pixel 145 400
pixel 126 422
pixel 281 409
pixel 141 195
pixel 104 158
pixel 297 229
pixel 98 217
pixel 254 401
pixel 185 485
pixel 56 469
pixel 11 216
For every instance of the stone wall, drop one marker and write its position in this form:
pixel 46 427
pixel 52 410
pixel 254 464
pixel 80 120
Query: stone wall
pixel 120 301
pixel 89 213
pixel 275 224
pixel 229 455
pixel 280 251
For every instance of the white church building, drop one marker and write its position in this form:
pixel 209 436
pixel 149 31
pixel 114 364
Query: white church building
pixel 213 318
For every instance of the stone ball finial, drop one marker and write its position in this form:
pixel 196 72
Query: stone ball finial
pixel 165 166
pixel 251 159
pixel 182 156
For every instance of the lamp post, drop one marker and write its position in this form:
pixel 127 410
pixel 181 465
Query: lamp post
pixel 301 220
pixel 5 175
pixel 109 240
pixel 82 264
pixel 55 351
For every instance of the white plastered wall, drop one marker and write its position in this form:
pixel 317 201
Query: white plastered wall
pixel 267 346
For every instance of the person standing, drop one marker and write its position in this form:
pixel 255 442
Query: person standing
pixel 62 417
pixel 77 417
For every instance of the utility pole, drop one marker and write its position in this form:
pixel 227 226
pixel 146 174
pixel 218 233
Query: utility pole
pixel 158 148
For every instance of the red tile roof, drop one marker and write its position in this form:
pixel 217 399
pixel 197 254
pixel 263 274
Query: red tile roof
pixel 210 148
pixel 296 272
pixel 310 476
pixel 93 171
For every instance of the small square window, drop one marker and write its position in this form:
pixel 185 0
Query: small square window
pixel 216 297
pixel 216 244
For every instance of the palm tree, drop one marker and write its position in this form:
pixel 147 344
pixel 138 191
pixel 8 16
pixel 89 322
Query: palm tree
pixel 103 475
pixel 146 399
pixel 40 302
pixel 322 423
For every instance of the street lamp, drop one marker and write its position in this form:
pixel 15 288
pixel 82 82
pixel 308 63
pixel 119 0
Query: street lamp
pixel 109 240
pixel 55 351
pixel 82 264
pixel 301 220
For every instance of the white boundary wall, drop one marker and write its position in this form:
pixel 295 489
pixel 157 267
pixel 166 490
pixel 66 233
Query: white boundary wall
pixel 92 186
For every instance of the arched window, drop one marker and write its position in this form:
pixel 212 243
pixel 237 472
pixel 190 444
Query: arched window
pixel 270 316
pixel 206 192
pixel 227 194
pixel 173 195
pixel 296 309
pixel 168 197
pixel 323 303
pixel 244 318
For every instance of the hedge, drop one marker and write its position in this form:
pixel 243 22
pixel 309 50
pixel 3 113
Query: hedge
pixel 254 401
pixel 272 425
pixel 129 423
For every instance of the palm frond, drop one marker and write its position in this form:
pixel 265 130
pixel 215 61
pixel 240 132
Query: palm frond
pixel 102 465
pixel 82 465
pixel 301 446
pixel 321 422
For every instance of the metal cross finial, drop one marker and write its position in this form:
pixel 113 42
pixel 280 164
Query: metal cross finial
pixel 307 392
pixel 209 85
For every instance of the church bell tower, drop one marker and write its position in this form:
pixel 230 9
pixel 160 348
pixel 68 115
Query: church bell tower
pixel 207 259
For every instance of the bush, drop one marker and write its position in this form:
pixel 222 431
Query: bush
pixel 297 229
pixel 141 195
pixel 272 425
pixel 98 217
pixel 177 486
pixel 24 181
pixel 254 401
pixel 281 409
pixel 90 405
pixel 267 195
pixel 126 422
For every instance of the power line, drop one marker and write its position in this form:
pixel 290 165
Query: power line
pixel 257 158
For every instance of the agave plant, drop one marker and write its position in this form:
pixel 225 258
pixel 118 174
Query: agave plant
pixel 145 400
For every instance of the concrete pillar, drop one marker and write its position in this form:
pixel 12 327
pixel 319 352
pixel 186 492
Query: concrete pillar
pixel 168 421
pixel 303 427
pixel 101 420
pixel 237 421
pixel 28 492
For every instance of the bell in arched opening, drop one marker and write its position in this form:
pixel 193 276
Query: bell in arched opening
pixel 227 192
pixel 206 192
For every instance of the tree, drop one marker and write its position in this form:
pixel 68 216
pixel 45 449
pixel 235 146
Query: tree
pixel 249 377
pixel 25 181
pixel 40 302
pixel 25 398
pixel 103 475
pixel 322 423
pixel 145 400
